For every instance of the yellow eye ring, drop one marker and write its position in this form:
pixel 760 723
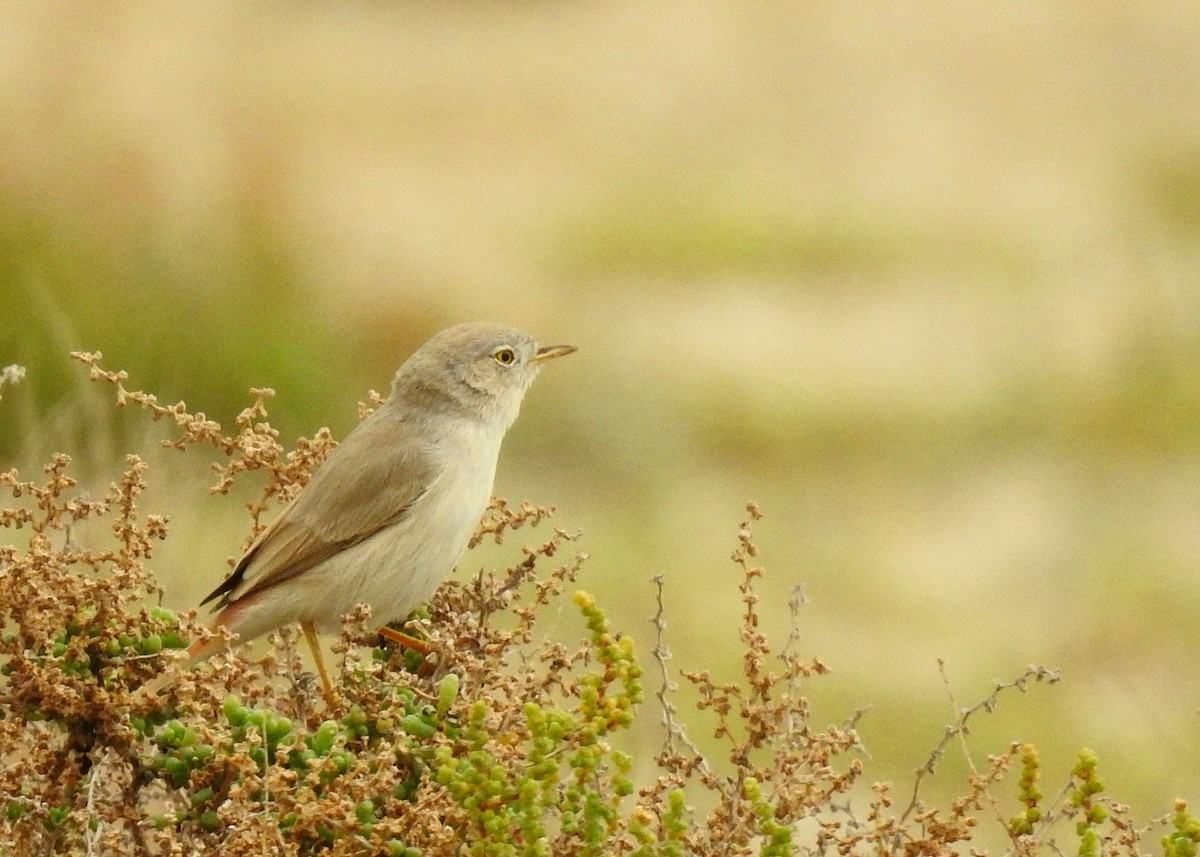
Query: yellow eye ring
pixel 505 356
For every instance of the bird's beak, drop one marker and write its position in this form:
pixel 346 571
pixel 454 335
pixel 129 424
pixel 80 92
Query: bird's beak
pixel 549 352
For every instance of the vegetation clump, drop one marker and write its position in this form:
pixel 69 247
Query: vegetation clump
pixel 500 742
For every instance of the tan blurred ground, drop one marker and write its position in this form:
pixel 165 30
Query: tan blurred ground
pixel 922 280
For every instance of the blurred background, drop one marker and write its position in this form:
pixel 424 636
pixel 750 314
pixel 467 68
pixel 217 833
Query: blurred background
pixel 921 280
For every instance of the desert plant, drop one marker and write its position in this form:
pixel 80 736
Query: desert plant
pixel 500 742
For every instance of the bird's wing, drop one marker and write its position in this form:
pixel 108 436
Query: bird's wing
pixel 369 482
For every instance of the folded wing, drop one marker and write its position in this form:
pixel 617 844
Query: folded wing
pixel 389 471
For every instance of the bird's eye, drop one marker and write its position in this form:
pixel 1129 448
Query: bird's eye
pixel 505 356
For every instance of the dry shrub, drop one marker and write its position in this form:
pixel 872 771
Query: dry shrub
pixel 497 744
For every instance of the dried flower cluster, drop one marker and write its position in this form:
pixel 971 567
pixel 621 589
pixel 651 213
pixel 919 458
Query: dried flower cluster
pixel 11 374
pixel 497 743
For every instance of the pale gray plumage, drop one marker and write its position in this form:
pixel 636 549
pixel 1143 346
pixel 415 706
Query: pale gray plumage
pixel 390 512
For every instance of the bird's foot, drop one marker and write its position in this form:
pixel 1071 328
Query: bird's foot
pixel 407 640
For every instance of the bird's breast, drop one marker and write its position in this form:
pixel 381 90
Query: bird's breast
pixel 400 567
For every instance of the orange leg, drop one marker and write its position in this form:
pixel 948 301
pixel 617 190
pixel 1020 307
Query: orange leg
pixel 310 634
pixel 406 640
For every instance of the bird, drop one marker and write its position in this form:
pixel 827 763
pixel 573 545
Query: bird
pixel 389 513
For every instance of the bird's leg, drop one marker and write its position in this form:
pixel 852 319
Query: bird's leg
pixel 310 634
pixel 406 640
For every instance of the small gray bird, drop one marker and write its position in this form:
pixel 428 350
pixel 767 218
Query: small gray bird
pixel 390 512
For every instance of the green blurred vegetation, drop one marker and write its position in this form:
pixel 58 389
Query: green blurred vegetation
pixel 207 327
pixel 678 233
